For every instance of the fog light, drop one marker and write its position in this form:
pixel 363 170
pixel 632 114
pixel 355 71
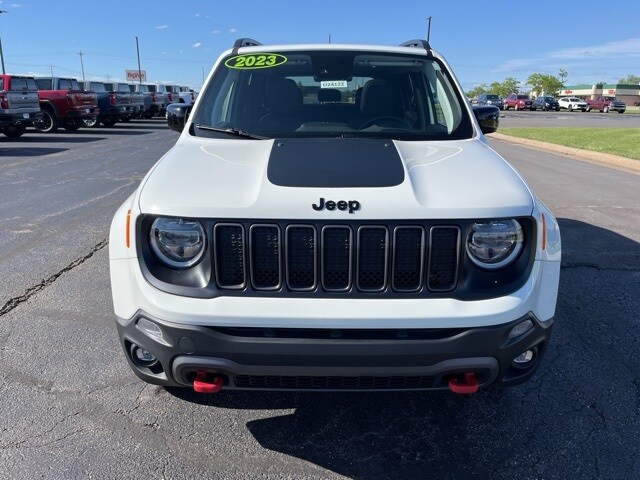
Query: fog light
pixel 524 358
pixel 149 327
pixel 142 357
pixel 521 328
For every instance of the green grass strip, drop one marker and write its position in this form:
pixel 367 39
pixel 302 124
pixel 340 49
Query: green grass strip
pixel 616 141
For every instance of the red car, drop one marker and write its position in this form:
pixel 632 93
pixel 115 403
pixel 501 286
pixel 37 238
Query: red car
pixel 64 104
pixel 518 102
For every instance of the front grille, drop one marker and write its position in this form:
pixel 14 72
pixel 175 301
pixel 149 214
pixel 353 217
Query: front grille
pixel 338 383
pixel 368 259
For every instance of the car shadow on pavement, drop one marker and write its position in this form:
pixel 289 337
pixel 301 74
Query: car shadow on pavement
pixel 29 151
pixel 578 417
pixel 55 138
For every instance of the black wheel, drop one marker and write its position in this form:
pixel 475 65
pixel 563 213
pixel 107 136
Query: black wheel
pixel 91 122
pixel 48 123
pixel 605 109
pixel 109 121
pixel 14 131
pixel 125 119
pixel 570 108
pixel 533 109
pixel 72 125
pixel 588 109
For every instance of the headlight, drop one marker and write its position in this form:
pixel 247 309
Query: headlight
pixel 494 244
pixel 177 242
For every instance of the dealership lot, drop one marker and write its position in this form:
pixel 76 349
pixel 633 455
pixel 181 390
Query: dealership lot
pixel 70 406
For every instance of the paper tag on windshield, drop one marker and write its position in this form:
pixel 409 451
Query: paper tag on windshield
pixel 334 84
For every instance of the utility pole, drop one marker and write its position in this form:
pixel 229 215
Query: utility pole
pixel 51 67
pixel 81 64
pixel 203 75
pixel 139 71
pixel 2 54
pixel 429 29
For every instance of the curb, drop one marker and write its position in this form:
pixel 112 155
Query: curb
pixel 586 155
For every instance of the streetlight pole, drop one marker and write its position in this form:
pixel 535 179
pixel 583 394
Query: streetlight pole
pixel 81 64
pixel 139 71
pixel 203 75
pixel 1 53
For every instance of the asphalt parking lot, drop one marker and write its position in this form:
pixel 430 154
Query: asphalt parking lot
pixel 71 408
pixel 563 118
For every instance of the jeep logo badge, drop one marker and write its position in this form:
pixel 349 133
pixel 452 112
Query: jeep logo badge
pixel 351 205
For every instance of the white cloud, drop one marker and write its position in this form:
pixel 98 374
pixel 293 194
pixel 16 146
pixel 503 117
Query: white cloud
pixel 16 5
pixel 197 15
pixel 196 45
pixel 161 27
pixel 591 55
pixel 233 30
pixel 215 32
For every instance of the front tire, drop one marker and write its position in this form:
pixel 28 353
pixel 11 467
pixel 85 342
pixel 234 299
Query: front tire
pixel 109 121
pixel 570 108
pixel 605 109
pixel 14 131
pixel 48 123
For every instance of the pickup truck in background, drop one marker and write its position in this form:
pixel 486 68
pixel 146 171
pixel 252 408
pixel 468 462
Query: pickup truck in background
pixel 19 105
pixel 64 104
pixel 111 106
pixel 153 101
pixel 134 103
pixel 186 95
pixel 604 104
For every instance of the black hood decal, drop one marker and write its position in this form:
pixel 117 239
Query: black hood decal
pixel 335 163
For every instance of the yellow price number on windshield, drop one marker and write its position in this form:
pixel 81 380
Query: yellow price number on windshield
pixel 253 61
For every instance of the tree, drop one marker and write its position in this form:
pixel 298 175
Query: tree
pixel 562 75
pixel 507 86
pixel 543 82
pixel 630 79
pixel 478 90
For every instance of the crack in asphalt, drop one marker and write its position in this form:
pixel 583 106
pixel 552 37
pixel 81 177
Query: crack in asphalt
pixel 565 266
pixel 34 289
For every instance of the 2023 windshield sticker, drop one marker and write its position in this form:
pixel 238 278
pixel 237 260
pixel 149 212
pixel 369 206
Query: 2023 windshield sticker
pixel 254 61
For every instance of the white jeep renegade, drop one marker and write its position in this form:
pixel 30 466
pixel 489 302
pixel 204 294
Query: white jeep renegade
pixel 332 218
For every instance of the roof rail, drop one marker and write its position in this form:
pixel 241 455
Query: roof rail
pixel 418 42
pixel 245 42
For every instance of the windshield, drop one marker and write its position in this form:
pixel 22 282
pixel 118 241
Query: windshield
pixel 493 97
pixel 523 97
pixel 333 93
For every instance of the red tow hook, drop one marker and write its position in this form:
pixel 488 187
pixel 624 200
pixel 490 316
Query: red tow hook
pixel 469 386
pixel 202 385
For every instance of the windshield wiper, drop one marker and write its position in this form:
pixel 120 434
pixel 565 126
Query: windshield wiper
pixel 231 131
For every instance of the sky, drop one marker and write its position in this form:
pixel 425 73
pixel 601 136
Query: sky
pixel 594 41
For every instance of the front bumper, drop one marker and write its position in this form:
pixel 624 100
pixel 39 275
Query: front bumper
pixel 333 359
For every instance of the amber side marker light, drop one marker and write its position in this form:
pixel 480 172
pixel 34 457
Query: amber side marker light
pixel 128 229
pixel 544 232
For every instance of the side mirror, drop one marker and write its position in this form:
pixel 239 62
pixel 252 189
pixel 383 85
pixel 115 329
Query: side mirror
pixel 177 114
pixel 488 117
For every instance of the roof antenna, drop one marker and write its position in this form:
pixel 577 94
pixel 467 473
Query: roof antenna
pixel 429 29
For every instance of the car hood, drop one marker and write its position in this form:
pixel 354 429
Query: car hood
pixel 204 177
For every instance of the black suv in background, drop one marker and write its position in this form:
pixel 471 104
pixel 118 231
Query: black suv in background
pixel 491 99
pixel 546 103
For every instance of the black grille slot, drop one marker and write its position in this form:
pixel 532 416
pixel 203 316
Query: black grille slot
pixel 443 258
pixel 408 258
pixel 229 255
pixel 372 258
pixel 301 257
pixel 265 257
pixel 338 383
pixel 336 258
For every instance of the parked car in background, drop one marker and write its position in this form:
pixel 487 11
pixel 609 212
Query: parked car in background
pixel 19 105
pixel 64 103
pixel 125 97
pixel 490 99
pixel 518 101
pixel 186 95
pixel 173 93
pixel 153 101
pixel 111 105
pixel 572 103
pixel 546 102
pixel 606 103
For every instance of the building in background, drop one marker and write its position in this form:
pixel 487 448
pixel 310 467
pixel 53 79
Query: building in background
pixel 630 94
